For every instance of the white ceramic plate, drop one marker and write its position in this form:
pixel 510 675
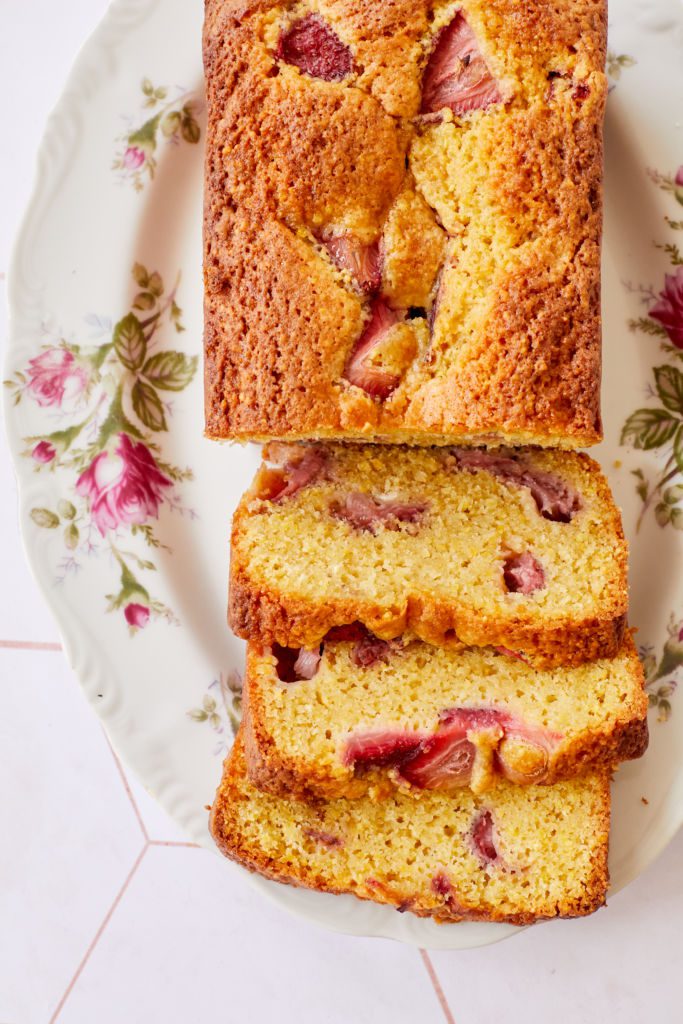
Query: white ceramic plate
pixel 125 508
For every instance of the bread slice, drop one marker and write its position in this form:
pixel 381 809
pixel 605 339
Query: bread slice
pixel 464 547
pixel 370 714
pixel 403 214
pixel 516 854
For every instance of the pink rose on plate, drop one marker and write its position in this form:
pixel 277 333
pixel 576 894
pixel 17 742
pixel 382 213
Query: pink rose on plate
pixel 678 180
pixel 669 310
pixel 137 615
pixel 133 158
pixel 125 487
pixel 54 375
pixel 44 452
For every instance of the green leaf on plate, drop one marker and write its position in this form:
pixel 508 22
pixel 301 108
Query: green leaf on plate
pixel 71 536
pixel 669 383
pixel 44 518
pixel 170 123
pixel 147 406
pixel 649 428
pixel 144 301
pixel 66 509
pixel 197 715
pixel 140 275
pixel 170 371
pixel 662 514
pixel 145 136
pixel 189 129
pixel 129 342
pixel 156 285
pixel 678 456
pixel 643 323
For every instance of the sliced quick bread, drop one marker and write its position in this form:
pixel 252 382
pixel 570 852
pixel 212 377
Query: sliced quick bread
pixel 517 854
pixel 360 715
pixel 521 549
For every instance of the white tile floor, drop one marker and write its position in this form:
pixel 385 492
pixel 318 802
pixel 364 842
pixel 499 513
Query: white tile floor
pixel 107 915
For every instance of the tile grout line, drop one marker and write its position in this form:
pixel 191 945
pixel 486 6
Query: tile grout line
pixel 126 786
pixel 98 934
pixel 426 960
pixel 29 645
pixel 174 842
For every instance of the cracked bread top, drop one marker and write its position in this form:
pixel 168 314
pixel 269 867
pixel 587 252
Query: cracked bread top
pixel 402 220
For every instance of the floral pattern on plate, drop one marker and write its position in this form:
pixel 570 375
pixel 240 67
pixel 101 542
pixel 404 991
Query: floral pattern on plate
pixel 174 121
pixel 109 401
pixel 660 427
pixel 660 681
pixel 222 700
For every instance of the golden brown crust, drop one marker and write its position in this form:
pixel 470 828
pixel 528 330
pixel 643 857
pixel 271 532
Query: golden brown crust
pixel 272 769
pixel 288 155
pixel 258 613
pixel 449 909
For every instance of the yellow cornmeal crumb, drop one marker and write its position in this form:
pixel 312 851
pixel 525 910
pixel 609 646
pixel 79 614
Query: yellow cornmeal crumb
pixel 298 551
pixel 551 843
pixel 306 724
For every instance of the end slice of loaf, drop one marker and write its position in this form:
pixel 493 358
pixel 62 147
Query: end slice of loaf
pixel 521 549
pixel 362 716
pixel 403 215
pixel 517 854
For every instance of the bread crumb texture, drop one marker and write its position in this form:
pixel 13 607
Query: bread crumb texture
pixel 473 715
pixel 515 854
pixel 422 540
pixel 427 168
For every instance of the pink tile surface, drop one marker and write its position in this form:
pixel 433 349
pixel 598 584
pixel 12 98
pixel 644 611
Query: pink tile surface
pixel 69 836
pixel 620 965
pixel 195 939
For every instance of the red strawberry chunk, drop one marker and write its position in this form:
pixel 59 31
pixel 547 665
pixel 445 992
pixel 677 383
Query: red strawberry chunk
pixel 446 758
pixel 316 49
pixel 297 467
pixel 380 749
pixel 307 663
pixel 293 664
pixel 374 380
pixel 326 838
pixel 366 513
pixel 363 262
pixel 538 745
pixel 523 574
pixel 511 654
pixel 483 839
pixel 441 885
pixel 555 498
pixel 457 75
pixel 370 649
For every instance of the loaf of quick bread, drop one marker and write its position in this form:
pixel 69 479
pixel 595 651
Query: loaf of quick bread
pixel 516 853
pixel 403 206
pixel 359 715
pixel 520 549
